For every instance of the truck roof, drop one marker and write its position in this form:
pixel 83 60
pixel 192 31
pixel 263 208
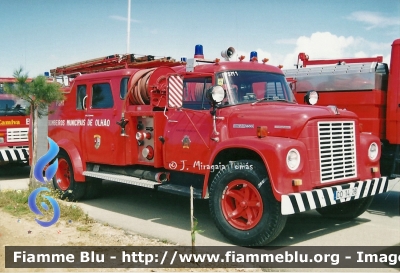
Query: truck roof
pixel 242 65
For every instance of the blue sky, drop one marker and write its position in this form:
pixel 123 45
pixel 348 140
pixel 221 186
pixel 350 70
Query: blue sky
pixel 41 35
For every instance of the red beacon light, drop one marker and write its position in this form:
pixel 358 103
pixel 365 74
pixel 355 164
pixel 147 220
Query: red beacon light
pixel 265 60
pixel 241 58
pixel 198 52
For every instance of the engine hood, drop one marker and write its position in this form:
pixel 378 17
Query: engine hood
pixel 282 119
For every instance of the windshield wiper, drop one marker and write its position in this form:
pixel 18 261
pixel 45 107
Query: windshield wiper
pixel 268 99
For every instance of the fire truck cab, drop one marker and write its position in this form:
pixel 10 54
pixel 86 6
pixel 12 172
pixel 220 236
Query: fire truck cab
pixel 230 129
pixel 366 86
pixel 14 126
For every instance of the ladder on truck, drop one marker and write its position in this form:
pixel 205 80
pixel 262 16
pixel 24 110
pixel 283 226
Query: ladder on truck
pixel 305 59
pixel 113 62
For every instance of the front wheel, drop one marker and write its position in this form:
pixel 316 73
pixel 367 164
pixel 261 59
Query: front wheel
pixel 64 181
pixel 243 206
pixel 348 210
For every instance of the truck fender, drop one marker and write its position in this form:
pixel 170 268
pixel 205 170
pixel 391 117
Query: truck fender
pixel 75 157
pixel 234 143
pixel 272 151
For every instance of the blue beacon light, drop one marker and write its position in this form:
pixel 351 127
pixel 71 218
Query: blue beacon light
pixel 198 52
pixel 252 55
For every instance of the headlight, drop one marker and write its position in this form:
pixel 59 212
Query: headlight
pixel 373 151
pixel 293 159
pixel 216 94
pixel 311 97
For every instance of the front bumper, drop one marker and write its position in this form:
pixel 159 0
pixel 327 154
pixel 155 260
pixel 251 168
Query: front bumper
pixel 14 155
pixel 309 200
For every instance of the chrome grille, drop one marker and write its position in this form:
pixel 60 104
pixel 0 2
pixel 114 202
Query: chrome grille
pixel 17 134
pixel 337 150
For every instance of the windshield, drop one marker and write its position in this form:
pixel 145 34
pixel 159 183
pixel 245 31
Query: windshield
pixel 10 107
pixel 250 86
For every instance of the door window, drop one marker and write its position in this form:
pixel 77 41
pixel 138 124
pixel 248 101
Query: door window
pixel 194 93
pixel 80 96
pixel 102 96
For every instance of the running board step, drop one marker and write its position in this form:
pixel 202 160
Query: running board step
pixel 122 179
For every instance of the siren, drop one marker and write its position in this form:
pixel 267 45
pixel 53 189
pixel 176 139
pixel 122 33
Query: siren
pixel 198 52
pixel 227 54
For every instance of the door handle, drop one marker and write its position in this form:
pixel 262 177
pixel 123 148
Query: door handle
pixel 88 115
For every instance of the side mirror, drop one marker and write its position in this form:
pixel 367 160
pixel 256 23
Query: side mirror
pixel 215 94
pixel 311 97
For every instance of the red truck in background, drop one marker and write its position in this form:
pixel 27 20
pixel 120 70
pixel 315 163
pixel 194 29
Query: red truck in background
pixel 230 129
pixel 365 86
pixel 14 126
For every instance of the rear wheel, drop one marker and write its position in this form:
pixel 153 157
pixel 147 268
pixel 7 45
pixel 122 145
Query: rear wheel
pixel 243 206
pixel 64 181
pixel 348 210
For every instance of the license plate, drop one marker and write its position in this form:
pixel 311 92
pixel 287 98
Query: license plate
pixel 342 194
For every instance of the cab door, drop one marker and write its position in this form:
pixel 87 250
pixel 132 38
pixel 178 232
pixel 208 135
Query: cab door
pixel 101 130
pixel 189 128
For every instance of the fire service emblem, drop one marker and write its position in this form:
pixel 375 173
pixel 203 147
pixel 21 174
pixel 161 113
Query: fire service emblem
pixel 186 142
pixel 97 141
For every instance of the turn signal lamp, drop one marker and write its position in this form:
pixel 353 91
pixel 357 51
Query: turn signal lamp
pixel 374 169
pixel 297 182
pixel 198 52
pixel 262 131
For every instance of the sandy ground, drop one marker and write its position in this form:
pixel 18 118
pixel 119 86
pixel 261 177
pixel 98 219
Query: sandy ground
pixel 26 232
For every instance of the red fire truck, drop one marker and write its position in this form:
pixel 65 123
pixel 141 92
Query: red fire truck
pixel 14 125
pixel 365 86
pixel 230 129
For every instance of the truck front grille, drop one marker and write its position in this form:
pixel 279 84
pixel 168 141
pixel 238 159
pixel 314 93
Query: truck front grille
pixel 17 134
pixel 337 150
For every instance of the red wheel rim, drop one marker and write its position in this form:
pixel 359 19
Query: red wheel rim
pixel 242 204
pixel 63 174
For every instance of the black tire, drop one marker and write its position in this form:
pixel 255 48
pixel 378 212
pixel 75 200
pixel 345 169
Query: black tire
pixel 94 187
pixel 348 210
pixel 64 182
pixel 268 223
